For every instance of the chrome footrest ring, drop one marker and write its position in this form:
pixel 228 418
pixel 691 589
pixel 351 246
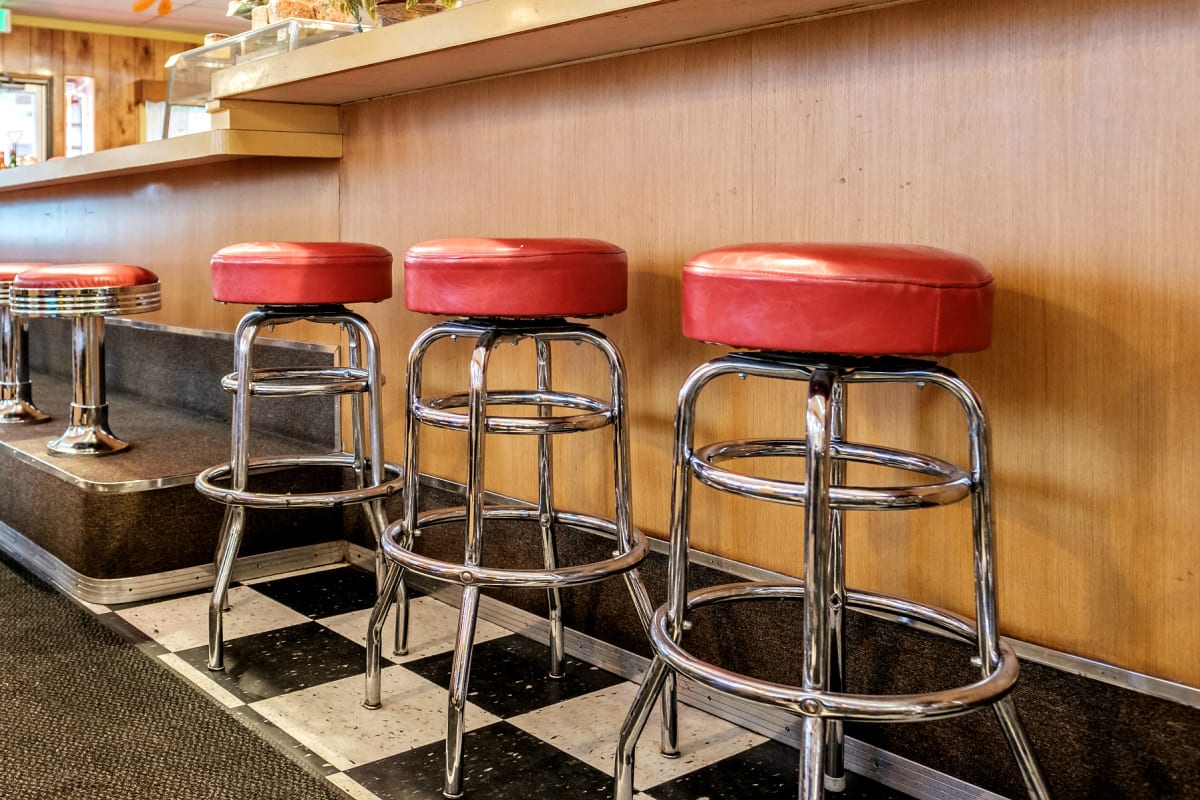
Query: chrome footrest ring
pixel 596 413
pixel 954 486
pixel 213 483
pixel 465 575
pixel 837 705
pixel 302 381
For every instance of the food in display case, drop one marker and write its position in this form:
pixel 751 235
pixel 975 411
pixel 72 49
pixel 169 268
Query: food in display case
pixel 268 12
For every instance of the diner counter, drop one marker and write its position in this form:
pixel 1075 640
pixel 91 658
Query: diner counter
pixel 240 130
pixel 1048 138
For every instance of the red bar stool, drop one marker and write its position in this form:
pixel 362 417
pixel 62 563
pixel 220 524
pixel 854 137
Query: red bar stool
pixel 831 315
pixel 298 282
pixel 16 392
pixel 503 291
pixel 87 293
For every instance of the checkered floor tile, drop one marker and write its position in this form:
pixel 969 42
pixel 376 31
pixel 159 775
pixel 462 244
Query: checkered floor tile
pixel 294 671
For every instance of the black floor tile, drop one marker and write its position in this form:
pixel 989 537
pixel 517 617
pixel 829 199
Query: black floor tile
pixel 325 593
pixel 769 771
pixel 510 676
pixel 284 660
pixel 500 762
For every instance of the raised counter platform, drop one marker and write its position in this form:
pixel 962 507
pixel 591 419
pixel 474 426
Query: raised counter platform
pixel 132 525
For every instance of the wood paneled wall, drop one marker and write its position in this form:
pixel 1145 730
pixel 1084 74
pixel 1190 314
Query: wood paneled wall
pixel 1052 139
pixel 114 62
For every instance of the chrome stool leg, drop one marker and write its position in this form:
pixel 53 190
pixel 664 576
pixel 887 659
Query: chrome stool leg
pixel 460 669
pixel 16 391
pixel 835 743
pixel 87 432
pixel 546 513
pixel 653 683
pixel 234 522
pixel 369 465
pixel 660 681
pixel 817 529
pixel 392 582
pixel 979 438
pixel 412 482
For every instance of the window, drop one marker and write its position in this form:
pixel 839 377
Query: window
pixel 24 119
pixel 81 115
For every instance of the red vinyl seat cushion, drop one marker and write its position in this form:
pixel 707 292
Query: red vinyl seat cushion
pixel 301 273
pixel 10 271
pixel 516 278
pixel 84 276
pixel 850 299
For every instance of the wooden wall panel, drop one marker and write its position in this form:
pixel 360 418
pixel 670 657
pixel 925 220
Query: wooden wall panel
pixel 1049 139
pixel 173 222
pixel 115 62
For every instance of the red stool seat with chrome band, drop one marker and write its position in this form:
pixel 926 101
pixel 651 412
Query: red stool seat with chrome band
pixel 850 299
pixel 96 290
pixel 9 272
pixel 515 278
pixel 84 276
pixel 301 273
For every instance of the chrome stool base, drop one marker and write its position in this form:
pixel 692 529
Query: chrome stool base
pixel 19 411
pixel 16 391
pixel 579 413
pixel 87 434
pixel 81 440
pixel 820 699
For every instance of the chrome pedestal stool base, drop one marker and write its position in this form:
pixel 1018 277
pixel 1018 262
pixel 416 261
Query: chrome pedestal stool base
pixel 227 483
pixel 19 411
pixel 16 391
pixel 581 413
pixel 87 434
pixel 820 699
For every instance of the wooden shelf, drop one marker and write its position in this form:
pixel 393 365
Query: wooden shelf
pixel 502 37
pixel 184 151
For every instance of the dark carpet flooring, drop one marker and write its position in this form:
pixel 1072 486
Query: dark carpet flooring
pixel 87 716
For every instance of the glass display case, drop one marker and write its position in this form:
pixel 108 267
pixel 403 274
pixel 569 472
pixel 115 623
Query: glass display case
pixel 189 74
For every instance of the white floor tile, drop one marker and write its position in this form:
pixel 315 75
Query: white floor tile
pixel 182 623
pixel 431 630
pixel 329 719
pixel 353 788
pixel 587 728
